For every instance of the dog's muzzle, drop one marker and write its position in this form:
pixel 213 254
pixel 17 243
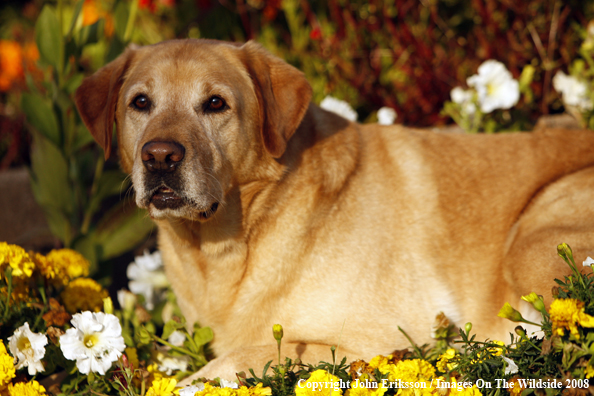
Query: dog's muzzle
pixel 161 159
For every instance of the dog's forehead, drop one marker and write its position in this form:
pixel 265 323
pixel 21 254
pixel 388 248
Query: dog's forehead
pixel 187 62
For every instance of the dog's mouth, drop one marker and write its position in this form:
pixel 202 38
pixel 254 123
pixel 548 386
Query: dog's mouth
pixel 166 198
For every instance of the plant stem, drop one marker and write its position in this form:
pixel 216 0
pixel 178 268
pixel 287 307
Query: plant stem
pixel 175 348
pixel 130 22
pixel 89 211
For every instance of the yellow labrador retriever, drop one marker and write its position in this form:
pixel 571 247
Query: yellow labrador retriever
pixel 272 210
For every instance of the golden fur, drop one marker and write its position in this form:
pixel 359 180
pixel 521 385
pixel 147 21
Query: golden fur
pixel 322 222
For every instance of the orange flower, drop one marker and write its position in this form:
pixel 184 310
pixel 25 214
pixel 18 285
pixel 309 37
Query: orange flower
pixel 92 12
pixel 11 64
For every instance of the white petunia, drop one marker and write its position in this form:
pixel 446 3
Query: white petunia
pixel 339 107
pixel 28 349
pixel 573 91
pixel 168 364
pixel 386 116
pixel 495 86
pixel 588 262
pixel 95 341
pixel 228 384
pixel 464 98
pixel 511 367
pixel 191 390
pixel 147 277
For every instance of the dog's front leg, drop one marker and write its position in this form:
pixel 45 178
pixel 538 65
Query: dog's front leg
pixel 229 364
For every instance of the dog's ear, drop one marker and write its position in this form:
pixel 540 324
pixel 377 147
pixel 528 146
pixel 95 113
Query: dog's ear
pixel 283 95
pixel 97 96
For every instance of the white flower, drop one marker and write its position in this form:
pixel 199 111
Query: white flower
pixel 94 341
pixel 573 91
pixel 147 277
pixel 28 349
pixel 127 300
pixel 464 98
pixel 191 390
pixel 177 338
pixel 339 107
pixel 168 364
pixel 511 367
pixel 495 86
pixel 589 261
pixel 386 116
pixel 228 384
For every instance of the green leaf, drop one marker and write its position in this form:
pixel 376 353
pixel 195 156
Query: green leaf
pixel 50 185
pixel 77 10
pixel 111 183
pixel 83 137
pixel 170 327
pixel 121 20
pixel 73 82
pixel 143 336
pixel 48 36
pixel 202 335
pixel 42 117
pixel 122 229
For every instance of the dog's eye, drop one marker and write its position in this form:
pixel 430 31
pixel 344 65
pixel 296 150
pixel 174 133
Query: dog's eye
pixel 141 102
pixel 215 103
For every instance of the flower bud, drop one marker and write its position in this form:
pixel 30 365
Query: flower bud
pixel 468 327
pixel 520 331
pixel 277 332
pixel 536 301
pixel 108 305
pixel 564 251
pixel 508 312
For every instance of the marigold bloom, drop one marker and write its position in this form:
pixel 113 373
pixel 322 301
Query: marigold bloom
pixel 257 390
pixel 11 64
pixel 517 388
pixel 379 361
pixel 567 313
pixel 358 389
pixel 414 370
pixel 162 387
pixel 31 388
pixel 17 258
pixel 7 371
pixel 63 265
pixel 83 294
pixel 318 378
pixel 210 390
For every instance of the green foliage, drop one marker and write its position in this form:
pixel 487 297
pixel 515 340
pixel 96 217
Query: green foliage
pixel 70 179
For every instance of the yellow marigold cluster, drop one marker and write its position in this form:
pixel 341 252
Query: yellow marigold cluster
pixel 320 383
pixel 31 388
pixel 456 388
pixel 162 387
pixel 379 361
pixel 409 370
pixel 566 314
pixel 257 390
pixel 17 258
pixel 83 294
pixel 62 265
pixel 358 389
pixel 7 371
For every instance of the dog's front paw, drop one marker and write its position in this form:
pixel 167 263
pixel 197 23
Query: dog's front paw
pixel 224 367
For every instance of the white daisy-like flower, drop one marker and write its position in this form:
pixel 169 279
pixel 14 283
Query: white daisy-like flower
pixel 191 389
pixel 495 86
pixel 588 262
pixel 339 107
pixel 95 341
pixel 464 98
pixel 28 349
pixel 386 116
pixel 147 277
pixel 573 91
pixel 511 367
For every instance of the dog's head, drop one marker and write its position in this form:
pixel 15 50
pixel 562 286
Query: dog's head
pixel 193 117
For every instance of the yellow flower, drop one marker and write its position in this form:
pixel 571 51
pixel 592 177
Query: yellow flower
pixel 62 265
pixel 7 372
pixel 508 312
pixel 379 361
pixel 443 364
pixel 83 294
pixel 517 387
pixel 457 388
pixel 163 387
pixel 414 370
pixel 18 259
pixel 567 313
pixel 320 383
pixel 497 351
pixel 257 390
pixel 32 388
pixel 358 389
pixel 210 390
pixel 589 371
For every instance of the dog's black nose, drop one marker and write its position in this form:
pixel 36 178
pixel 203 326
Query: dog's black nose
pixel 162 156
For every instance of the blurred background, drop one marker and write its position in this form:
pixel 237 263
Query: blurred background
pixel 57 191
